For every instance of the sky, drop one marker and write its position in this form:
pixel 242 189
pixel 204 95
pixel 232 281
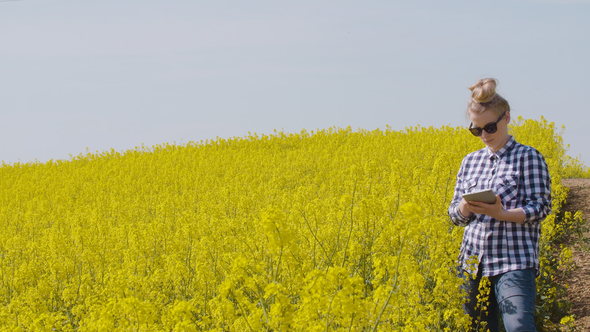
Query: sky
pixel 80 76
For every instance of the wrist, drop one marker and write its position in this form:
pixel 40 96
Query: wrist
pixel 463 210
pixel 514 215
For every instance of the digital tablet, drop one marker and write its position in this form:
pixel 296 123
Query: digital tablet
pixel 485 196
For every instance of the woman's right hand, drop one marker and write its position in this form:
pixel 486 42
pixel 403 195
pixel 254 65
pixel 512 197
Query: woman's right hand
pixel 464 209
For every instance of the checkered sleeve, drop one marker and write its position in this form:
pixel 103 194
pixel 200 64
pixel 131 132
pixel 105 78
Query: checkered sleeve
pixel 537 186
pixel 456 217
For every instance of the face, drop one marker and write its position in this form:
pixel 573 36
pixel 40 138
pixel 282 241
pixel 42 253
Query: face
pixel 498 139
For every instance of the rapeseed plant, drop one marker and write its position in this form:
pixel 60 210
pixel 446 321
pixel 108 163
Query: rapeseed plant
pixel 328 230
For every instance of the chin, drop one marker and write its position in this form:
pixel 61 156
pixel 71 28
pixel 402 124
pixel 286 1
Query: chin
pixel 491 145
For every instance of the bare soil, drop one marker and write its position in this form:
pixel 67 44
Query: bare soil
pixel 578 292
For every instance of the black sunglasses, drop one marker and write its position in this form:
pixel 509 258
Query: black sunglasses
pixel 490 128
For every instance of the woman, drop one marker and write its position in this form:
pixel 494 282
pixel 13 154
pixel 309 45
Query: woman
pixel 501 240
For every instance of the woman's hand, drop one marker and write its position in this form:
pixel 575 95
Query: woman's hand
pixel 492 210
pixel 464 209
pixel 496 211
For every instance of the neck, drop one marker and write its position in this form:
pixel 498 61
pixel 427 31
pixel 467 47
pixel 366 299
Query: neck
pixel 500 146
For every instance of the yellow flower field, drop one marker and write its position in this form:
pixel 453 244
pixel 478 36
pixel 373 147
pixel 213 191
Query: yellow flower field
pixel 330 230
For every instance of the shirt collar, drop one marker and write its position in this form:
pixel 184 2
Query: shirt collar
pixel 507 147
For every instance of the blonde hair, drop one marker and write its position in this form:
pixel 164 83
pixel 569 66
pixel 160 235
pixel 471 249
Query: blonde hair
pixel 484 97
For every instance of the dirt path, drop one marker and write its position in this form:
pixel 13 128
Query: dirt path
pixel 579 280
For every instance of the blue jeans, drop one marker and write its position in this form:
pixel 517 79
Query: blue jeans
pixel 512 295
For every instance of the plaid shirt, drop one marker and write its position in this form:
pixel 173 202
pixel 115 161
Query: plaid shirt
pixel 519 175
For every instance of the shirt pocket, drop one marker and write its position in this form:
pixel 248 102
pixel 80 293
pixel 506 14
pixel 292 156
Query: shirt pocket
pixel 507 188
pixel 469 185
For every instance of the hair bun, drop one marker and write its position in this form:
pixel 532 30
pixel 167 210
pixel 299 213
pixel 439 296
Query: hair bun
pixel 484 90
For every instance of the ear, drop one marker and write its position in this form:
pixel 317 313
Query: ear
pixel 507 117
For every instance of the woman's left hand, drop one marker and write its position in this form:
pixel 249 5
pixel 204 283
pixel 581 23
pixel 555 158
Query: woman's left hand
pixel 493 210
pixel 497 211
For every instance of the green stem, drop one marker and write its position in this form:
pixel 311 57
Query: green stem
pixel 245 316
pixel 351 224
pixel 328 321
pixel 263 304
pixel 278 266
pixel 314 236
pixel 399 258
